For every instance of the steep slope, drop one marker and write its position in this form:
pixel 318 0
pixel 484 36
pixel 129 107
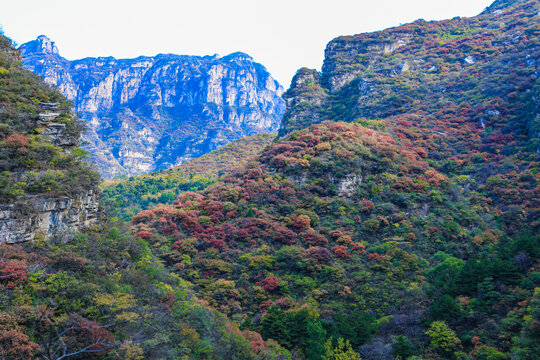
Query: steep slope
pixel 46 188
pixel 411 229
pixel 470 85
pixel 476 76
pixel 152 113
pixel 126 197
pixel 341 218
pixel 103 294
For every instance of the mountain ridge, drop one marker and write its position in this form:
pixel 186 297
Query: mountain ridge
pixel 152 113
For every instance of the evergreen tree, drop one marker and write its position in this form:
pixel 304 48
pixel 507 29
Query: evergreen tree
pixel 401 348
pixel 315 340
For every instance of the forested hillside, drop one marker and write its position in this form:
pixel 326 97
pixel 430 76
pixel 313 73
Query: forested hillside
pixel 126 197
pixel 96 291
pixel 408 231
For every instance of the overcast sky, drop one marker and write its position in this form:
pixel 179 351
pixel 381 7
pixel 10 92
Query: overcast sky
pixel 283 35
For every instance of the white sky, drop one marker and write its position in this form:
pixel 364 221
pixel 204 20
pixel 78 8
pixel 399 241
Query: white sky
pixel 283 35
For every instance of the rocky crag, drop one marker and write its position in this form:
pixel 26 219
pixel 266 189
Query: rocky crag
pixel 431 71
pixel 152 113
pixel 49 217
pixel 46 188
pixel 42 216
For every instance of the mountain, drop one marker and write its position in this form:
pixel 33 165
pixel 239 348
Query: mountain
pixel 76 285
pixel 396 215
pixel 152 113
pixel 46 187
pixel 477 74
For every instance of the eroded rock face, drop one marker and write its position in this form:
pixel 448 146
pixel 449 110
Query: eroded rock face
pixel 339 70
pixel 304 101
pixel 152 113
pixel 47 217
pixel 348 185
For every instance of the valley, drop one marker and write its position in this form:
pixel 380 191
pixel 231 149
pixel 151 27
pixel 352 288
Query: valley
pixel 388 207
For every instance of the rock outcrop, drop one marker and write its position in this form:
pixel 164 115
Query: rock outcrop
pixel 304 100
pixel 423 67
pixel 42 216
pixel 152 113
pixel 48 217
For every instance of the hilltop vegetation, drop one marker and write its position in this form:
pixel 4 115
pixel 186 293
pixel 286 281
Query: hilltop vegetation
pixel 126 197
pixel 29 163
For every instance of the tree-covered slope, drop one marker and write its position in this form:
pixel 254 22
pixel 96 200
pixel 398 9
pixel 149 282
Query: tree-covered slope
pixel 126 197
pixel 46 187
pixel 410 229
pixel 341 220
pixel 103 294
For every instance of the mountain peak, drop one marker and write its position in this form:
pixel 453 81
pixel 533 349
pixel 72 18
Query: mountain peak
pixel 503 4
pixel 217 101
pixel 42 44
pixel 238 56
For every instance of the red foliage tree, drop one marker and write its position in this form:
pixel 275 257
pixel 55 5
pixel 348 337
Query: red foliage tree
pixel 367 205
pixel 302 222
pixel 358 247
pixel 177 244
pixel 17 142
pixel 217 244
pixel 374 257
pixel 284 235
pixel 146 235
pixel 15 345
pixel 322 255
pixel 12 273
pixel 255 339
pixel 341 252
pixel 312 238
pixel 270 283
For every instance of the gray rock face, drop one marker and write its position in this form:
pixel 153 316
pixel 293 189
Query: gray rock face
pixel 304 100
pixel 52 131
pixel 152 113
pixel 48 217
pixel 338 70
pixel 348 185
pixel 41 217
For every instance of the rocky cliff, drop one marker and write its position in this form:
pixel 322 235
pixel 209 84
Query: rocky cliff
pixel 49 217
pixel 46 188
pixel 433 71
pixel 151 113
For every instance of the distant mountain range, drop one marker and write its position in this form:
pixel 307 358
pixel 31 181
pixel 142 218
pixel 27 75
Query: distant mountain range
pixel 152 113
